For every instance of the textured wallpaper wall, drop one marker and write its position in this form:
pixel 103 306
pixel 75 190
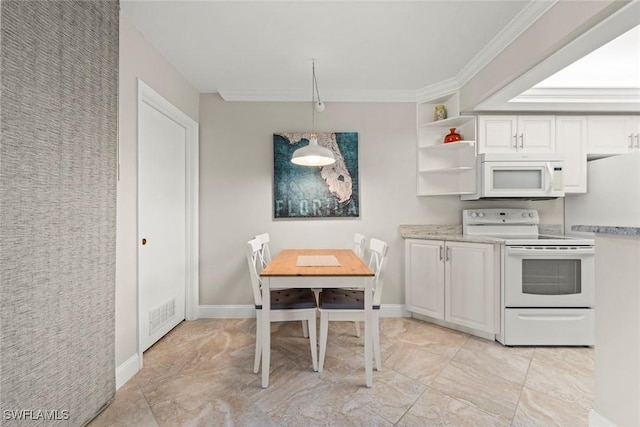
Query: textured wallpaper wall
pixel 58 156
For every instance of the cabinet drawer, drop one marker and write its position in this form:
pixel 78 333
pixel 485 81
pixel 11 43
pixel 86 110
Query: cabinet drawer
pixel 533 326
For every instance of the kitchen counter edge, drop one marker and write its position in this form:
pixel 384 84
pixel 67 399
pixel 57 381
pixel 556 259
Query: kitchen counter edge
pixel 451 233
pixel 605 229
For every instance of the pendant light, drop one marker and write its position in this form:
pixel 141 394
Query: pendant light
pixel 313 154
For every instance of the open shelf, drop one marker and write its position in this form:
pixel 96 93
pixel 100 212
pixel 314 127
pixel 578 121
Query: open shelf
pixel 445 168
pixel 452 193
pixel 451 122
pixel 452 146
pixel 448 170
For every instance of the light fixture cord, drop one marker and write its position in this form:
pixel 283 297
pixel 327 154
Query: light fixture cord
pixel 315 82
pixel 313 98
pixel 314 92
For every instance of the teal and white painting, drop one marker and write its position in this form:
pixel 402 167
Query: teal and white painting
pixel 316 192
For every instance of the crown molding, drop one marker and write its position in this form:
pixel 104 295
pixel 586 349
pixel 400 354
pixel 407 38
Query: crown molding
pixel 582 95
pixel 437 90
pixel 293 95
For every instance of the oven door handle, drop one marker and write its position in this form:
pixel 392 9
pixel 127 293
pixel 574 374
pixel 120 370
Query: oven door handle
pixel 587 250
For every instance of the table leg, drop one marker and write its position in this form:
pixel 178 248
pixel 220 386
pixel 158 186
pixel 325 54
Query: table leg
pixel 266 331
pixel 368 313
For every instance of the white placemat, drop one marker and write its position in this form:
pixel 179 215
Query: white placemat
pixel 317 261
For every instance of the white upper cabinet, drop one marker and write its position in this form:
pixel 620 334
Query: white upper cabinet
pixel 571 142
pixel 613 134
pixel 497 134
pixel 510 134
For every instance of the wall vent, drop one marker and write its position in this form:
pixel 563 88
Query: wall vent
pixel 161 314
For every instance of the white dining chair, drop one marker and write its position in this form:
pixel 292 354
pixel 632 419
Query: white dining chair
pixel 264 254
pixel 286 305
pixel 348 304
pixel 265 258
pixel 359 249
pixel 359 245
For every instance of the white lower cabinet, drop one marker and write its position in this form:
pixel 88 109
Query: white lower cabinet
pixel 454 282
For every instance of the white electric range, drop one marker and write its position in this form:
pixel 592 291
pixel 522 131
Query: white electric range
pixel 547 282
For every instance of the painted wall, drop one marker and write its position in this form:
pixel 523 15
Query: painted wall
pixel 138 59
pixel 236 178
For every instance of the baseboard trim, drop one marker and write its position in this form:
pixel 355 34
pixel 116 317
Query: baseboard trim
pixel 227 311
pixel 127 370
pixel 394 310
pixel 597 420
pixel 466 330
pixel 247 311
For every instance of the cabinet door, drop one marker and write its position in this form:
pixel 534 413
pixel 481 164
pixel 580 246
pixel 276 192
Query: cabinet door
pixel 424 277
pixel 537 134
pixel 609 135
pixel 571 142
pixel 497 134
pixel 470 286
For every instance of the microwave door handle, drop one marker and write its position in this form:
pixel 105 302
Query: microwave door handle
pixel 550 169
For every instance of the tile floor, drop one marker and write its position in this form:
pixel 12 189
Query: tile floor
pixel 201 374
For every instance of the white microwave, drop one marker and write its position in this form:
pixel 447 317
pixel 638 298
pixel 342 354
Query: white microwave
pixel 518 176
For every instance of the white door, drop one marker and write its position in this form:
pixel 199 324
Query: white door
pixel 162 224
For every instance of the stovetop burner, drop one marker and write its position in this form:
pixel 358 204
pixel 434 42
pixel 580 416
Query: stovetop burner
pixel 514 227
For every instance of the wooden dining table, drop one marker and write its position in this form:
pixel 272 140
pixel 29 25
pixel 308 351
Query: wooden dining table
pixel 315 268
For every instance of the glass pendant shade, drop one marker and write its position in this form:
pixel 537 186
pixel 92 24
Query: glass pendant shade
pixel 313 154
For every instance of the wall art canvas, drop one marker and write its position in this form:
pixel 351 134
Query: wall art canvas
pixel 316 192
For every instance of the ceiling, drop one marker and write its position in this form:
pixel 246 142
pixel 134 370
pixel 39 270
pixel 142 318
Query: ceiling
pixel 364 50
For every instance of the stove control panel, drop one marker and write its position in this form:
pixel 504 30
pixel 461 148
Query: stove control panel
pixel 499 216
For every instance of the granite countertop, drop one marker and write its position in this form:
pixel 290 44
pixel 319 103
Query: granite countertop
pixel 605 229
pixel 451 233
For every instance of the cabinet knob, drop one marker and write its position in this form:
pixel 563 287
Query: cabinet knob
pixel 144 241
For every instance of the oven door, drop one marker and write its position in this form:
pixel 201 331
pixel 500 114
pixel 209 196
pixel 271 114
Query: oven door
pixel 549 276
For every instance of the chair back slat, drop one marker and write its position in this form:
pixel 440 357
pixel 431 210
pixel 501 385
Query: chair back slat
pixel 359 245
pixel 264 254
pixel 377 263
pixel 254 260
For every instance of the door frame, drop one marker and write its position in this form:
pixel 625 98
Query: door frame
pixel 152 98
